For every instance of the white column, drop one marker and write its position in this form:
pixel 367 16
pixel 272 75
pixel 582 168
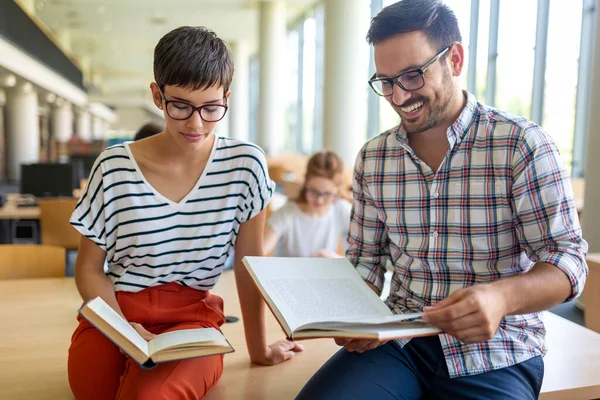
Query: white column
pixel 590 222
pixel 272 52
pixel 61 121
pixel 345 97
pixel 239 100
pixel 84 125
pixel 98 128
pixel 22 129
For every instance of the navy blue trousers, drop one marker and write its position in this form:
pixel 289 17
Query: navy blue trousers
pixel 417 371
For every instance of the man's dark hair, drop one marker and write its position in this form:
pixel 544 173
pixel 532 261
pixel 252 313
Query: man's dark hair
pixel 147 130
pixel 433 17
pixel 192 57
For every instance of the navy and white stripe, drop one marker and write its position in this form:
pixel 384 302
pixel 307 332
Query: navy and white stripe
pixel 150 240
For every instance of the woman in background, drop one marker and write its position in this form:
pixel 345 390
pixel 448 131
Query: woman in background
pixel 314 223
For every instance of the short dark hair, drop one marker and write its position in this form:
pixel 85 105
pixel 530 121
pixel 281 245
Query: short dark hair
pixel 433 17
pixel 192 57
pixel 147 130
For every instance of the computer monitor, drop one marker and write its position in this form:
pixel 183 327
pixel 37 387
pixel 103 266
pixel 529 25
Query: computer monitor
pixel 47 180
pixel 87 160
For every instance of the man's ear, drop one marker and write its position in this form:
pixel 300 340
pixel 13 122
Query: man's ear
pixel 228 94
pixel 156 96
pixel 456 58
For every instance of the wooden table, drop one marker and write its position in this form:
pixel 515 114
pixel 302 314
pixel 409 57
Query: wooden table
pixel 11 211
pixel 37 318
pixel 592 293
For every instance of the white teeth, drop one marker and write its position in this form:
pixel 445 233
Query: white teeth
pixel 412 107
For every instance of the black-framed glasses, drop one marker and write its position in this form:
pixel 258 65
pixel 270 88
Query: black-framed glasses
pixel 409 81
pixel 180 110
pixel 315 194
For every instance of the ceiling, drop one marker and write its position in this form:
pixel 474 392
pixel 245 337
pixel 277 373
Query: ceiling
pixel 114 39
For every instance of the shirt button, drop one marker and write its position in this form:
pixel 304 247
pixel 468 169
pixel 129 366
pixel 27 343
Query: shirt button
pixel 435 234
pixel 435 195
pixel 434 268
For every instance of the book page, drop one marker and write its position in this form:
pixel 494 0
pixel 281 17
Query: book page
pixel 187 338
pixel 308 290
pixel 396 320
pixel 407 329
pixel 117 329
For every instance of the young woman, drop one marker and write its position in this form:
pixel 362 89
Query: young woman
pixel 314 224
pixel 165 212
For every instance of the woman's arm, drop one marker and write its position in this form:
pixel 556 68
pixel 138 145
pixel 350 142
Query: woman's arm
pixel 250 243
pixel 92 281
pixel 269 240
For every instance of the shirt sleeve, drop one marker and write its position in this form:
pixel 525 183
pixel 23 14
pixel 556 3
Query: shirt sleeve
pixel 261 186
pixel 279 221
pixel 345 210
pixel 544 208
pixel 368 242
pixel 89 217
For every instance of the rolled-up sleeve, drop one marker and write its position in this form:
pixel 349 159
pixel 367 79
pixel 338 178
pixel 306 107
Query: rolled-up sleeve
pixel 368 242
pixel 544 208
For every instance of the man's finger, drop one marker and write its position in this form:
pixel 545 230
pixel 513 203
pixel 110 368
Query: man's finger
pixel 453 298
pixel 451 312
pixel 460 324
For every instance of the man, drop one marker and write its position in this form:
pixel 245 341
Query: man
pixel 474 211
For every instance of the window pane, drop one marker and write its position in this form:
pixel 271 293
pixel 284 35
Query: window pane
pixel 291 90
pixel 309 85
pixel 562 73
pixel 253 101
pixel 516 43
pixel 462 10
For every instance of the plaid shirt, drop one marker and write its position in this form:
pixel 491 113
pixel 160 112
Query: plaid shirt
pixel 500 202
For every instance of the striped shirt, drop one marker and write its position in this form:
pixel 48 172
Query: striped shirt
pixel 500 202
pixel 151 240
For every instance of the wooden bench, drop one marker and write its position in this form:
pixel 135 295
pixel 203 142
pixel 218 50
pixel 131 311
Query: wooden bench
pixel 38 317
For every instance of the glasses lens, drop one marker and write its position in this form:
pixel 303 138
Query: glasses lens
pixel 411 80
pixel 382 87
pixel 213 113
pixel 177 110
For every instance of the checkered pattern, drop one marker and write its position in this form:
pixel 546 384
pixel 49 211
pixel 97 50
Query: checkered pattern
pixel 500 202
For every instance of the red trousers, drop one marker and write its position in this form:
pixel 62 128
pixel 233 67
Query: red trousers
pixel 98 369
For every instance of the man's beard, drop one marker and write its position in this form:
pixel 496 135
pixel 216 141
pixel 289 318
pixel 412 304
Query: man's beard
pixel 436 112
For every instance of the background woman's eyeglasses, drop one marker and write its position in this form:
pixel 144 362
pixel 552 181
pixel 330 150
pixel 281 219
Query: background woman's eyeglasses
pixel 180 110
pixel 315 194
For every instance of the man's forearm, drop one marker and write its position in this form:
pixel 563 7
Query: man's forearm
pixel 542 288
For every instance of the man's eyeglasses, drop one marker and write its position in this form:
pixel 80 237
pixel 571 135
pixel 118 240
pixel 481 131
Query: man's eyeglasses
pixel 408 81
pixel 315 194
pixel 180 110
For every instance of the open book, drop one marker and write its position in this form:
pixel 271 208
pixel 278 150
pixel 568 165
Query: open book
pixel 170 346
pixel 326 297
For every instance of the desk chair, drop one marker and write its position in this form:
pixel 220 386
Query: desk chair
pixel 19 261
pixel 54 223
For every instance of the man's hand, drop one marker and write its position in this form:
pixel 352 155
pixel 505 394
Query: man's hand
pixel 359 345
pixel 279 352
pixel 471 315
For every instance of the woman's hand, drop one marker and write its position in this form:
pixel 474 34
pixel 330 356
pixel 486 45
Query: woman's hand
pixel 279 352
pixel 323 253
pixel 148 336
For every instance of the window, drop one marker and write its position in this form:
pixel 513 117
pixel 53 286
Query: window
pixel 562 73
pixel 516 46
